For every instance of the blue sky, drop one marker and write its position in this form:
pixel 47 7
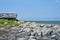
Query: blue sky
pixel 32 9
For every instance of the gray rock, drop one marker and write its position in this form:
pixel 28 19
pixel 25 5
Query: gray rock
pixel 49 25
pixel 33 33
pixel 29 34
pixel 22 35
pixel 55 36
pixel 1 38
pixel 56 27
pixel 13 28
pixel 21 38
pixel 32 39
pixel 42 25
pixel 11 37
pixel 27 29
pixel 46 30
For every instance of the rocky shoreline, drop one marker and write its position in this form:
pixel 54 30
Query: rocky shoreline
pixel 31 31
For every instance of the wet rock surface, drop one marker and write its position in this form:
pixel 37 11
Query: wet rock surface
pixel 31 31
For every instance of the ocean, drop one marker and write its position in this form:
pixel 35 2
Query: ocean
pixel 46 22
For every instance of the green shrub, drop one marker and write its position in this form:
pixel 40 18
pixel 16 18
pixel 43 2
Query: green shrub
pixel 9 22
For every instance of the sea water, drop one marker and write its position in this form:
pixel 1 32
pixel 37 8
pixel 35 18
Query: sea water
pixel 46 22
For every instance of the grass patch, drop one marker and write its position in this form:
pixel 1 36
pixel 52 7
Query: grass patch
pixel 5 22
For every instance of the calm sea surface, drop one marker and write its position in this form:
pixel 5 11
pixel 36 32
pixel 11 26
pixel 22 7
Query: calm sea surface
pixel 46 22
